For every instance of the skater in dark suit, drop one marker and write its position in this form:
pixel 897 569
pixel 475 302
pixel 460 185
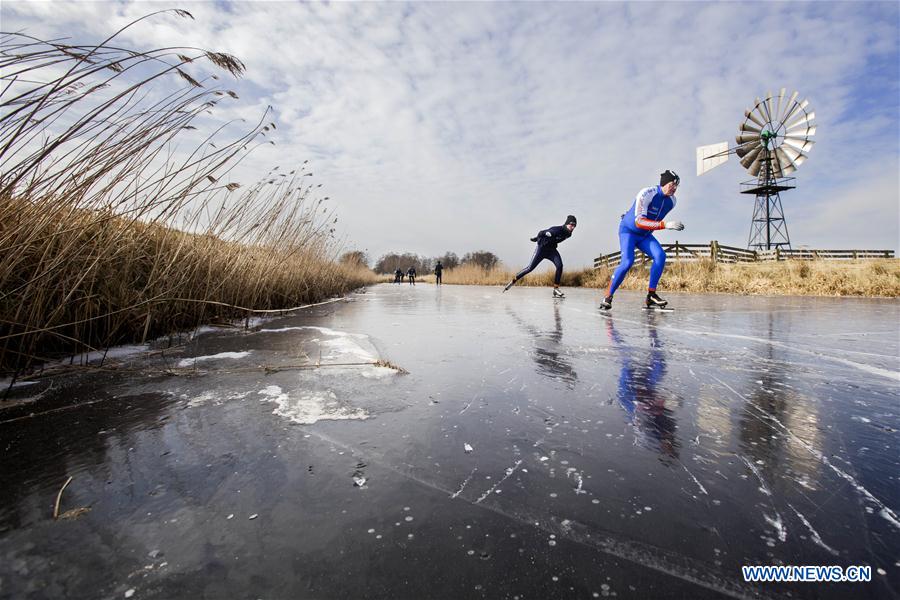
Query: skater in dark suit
pixel 398 275
pixel 411 275
pixel 547 240
pixel 438 269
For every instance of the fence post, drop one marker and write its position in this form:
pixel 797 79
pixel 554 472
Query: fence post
pixel 777 253
pixel 714 251
pixel 676 250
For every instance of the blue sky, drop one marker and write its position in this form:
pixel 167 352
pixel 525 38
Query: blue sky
pixel 466 126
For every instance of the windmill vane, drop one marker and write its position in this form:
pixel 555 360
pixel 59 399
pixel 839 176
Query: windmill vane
pixel 772 143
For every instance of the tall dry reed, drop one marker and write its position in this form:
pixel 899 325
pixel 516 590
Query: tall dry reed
pixel 109 235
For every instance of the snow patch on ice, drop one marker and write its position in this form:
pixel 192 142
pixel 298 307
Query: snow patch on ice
pixel 310 406
pixel 208 396
pixel 190 362
pixel 779 526
pixel 378 372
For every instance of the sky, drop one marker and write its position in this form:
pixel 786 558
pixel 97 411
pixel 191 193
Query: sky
pixel 464 126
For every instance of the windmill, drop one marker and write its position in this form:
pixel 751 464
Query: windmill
pixel 773 141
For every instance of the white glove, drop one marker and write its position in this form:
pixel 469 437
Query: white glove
pixel 676 225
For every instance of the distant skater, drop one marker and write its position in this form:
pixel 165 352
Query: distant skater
pixel 438 269
pixel 650 207
pixel 411 275
pixel 398 276
pixel 547 239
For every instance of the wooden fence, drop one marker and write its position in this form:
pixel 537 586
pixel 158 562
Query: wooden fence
pixel 716 252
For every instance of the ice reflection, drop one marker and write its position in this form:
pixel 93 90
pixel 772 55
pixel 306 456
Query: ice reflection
pixel 548 353
pixel 641 394
pixel 778 426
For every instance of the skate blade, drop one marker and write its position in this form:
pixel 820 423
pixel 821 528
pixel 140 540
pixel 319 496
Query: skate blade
pixel 658 309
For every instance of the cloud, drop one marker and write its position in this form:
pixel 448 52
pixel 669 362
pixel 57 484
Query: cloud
pixel 465 126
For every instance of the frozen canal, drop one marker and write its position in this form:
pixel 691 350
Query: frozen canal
pixel 535 449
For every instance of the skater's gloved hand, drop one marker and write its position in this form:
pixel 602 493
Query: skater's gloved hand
pixel 534 239
pixel 676 225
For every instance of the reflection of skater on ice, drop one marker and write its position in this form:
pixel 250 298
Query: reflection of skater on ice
pixel 549 353
pixel 641 395
pixel 645 216
pixel 547 240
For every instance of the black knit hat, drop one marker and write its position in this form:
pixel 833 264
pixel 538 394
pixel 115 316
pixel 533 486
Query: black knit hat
pixel 571 219
pixel 668 176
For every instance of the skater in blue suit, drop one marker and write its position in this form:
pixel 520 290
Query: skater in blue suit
pixel 547 239
pixel 645 216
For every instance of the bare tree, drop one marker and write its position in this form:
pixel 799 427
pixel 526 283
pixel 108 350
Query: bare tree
pixel 355 258
pixel 484 259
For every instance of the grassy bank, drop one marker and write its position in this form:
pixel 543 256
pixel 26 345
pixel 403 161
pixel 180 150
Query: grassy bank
pixel 111 234
pixel 800 278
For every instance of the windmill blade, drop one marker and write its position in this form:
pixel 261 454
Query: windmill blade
pixel 778 107
pixel 760 111
pixel 756 166
pixel 711 156
pixel 775 163
pixel 784 162
pixel 806 118
pixel 799 161
pixel 796 158
pixel 749 114
pixel 790 153
pixel 767 106
pixel 800 146
pixel 750 157
pixel 776 166
pixel 746 126
pixel 791 102
pixel 744 138
pixel 800 132
pixel 795 110
pixel 743 149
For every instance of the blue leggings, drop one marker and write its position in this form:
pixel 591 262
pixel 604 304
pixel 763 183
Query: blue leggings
pixel 539 255
pixel 647 244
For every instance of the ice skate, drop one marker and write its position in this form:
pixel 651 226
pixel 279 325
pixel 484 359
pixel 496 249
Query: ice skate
pixel 557 293
pixel 606 303
pixel 654 301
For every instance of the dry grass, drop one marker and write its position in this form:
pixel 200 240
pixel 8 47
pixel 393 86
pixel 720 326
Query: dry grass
pixel 800 278
pixel 95 210
pixel 500 275
pixel 794 277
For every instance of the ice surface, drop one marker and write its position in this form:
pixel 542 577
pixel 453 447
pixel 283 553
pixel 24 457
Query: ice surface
pixel 650 453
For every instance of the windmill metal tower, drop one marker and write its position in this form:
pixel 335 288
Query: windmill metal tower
pixel 773 141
